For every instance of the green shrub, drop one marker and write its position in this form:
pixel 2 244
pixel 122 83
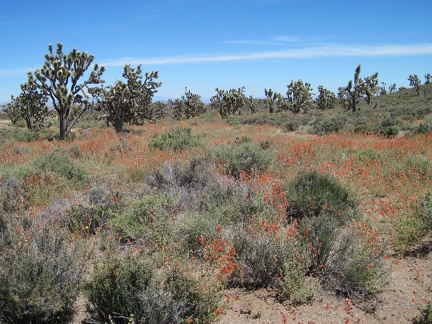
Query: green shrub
pixel 24 135
pixel 425 127
pixel 295 282
pixel 261 259
pixel 416 164
pixel 53 163
pixel 356 264
pixel 133 290
pixel 319 237
pixel 13 195
pixel 312 193
pixel 175 139
pixel 389 131
pixel 148 215
pixel 233 120
pixel 290 126
pixel 284 119
pixel 425 316
pixel 189 226
pixel 89 218
pixel 193 183
pixel 238 158
pixel 40 273
pixel 331 124
pixel 409 230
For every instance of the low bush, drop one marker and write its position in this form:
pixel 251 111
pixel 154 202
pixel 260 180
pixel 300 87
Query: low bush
pixel 54 163
pixel 261 259
pixel 133 290
pixel 24 135
pixel 313 193
pixel 193 183
pixel 149 215
pixel 425 126
pixel 41 269
pixel 175 139
pixel 13 195
pixel 242 157
pixel 330 124
pixel 355 267
pixel 425 316
pixel 88 218
pixel 410 229
pixel 189 226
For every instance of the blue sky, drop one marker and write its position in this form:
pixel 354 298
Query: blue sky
pixel 226 44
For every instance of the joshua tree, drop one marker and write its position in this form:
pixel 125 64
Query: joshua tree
pixel 272 99
pixel 31 104
pixel 299 96
pixel 359 89
pixel 392 88
pixel 252 105
pixel 128 102
pixel 192 104
pixel 58 79
pixel 156 111
pixel 415 82
pixel 177 108
pixel 229 102
pixel 428 77
pixel 326 99
pixel 13 110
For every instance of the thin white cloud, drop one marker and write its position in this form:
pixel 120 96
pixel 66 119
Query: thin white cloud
pixel 272 41
pixel 307 52
pixel 289 39
pixel 248 42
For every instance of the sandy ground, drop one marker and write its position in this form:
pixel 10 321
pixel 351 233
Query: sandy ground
pixel 409 287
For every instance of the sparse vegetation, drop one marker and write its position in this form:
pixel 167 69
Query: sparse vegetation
pixel 157 224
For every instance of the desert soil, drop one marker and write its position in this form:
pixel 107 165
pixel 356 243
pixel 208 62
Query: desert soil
pixel 408 288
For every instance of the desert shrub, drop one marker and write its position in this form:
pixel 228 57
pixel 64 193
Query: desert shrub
pixel 75 152
pixel 261 259
pixel 189 226
pixel 193 183
pixel 175 139
pixel 369 154
pixel 274 259
pixel 265 118
pixel 425 316
pixel 319 236
pixel 238 158
pixel 87 218
pixel 389 131
pixel 53 163
pixel 419 165
pixel 312 193
pixel 282 119
pixel 356 264
pixel 410 229
pixel 24 135
pixel 133 290
pixel 296 283
pixel 330 124
pixel 13 194
pixel 233 120
pixel 40 272
pixel 291 126
pixel 150 214
pixel 195 172
pixel 425 126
